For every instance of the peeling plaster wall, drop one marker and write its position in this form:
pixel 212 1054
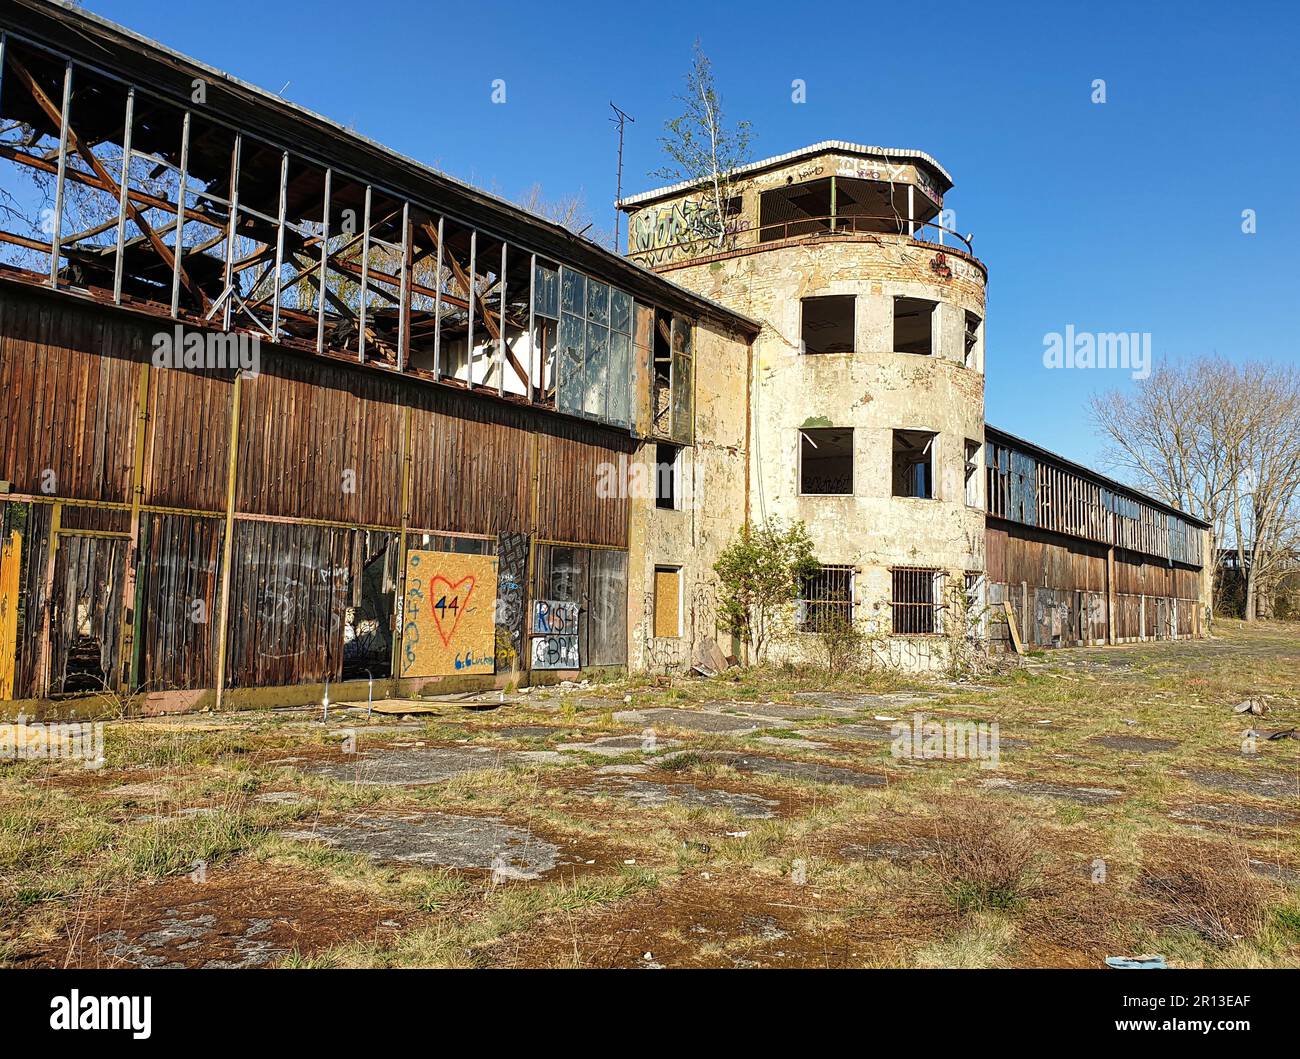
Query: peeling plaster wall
pixel 874 390
pixel 712 509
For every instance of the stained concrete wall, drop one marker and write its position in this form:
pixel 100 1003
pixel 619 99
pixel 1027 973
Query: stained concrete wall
pixel 710 514
pixel 874 390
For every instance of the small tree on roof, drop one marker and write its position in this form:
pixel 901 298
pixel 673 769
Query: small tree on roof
pixel 703 149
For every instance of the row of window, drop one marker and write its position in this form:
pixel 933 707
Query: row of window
pixel 918 600
pixel 826 463
pixel 828 325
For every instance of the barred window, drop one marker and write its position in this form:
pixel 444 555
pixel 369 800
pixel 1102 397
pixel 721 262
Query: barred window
pixel 826 599
pixel 917 600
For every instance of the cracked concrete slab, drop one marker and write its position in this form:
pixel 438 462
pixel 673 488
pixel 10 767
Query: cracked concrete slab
pixel 895 852
pixel 781 712
pixel 692 720
pixel 1137 743
pixel 618 745
pixel 1277 872
pixel 880 733
pixel 809 771
pixel 521 731
pixel 1231 813
pixel 441 840
pixel 1083 795
pixel 1261 783
pixel 655 795
pixel 414 766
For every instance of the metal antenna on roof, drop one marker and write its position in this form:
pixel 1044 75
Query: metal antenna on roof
pixel 620 120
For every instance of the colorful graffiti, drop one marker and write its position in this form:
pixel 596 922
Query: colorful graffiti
pixel 554 641
pixel 447 614
pixel 512 576
pixel 660 234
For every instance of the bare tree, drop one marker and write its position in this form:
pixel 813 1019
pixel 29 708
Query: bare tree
pixel 569 211
pixel 1221 441
pixel 1266 497
pixel 703 148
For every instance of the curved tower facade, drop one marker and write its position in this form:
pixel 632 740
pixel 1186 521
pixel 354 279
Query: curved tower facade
pixel 866 384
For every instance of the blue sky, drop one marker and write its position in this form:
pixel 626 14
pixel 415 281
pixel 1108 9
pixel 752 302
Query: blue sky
pixel 1124 216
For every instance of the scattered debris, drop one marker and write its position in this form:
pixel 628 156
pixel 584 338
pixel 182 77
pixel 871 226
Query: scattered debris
pixel 1272 736
pixel 1137 963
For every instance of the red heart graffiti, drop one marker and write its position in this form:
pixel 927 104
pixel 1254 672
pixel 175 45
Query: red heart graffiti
pixel 452 591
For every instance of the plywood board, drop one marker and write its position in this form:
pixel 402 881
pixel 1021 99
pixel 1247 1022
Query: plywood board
pixel 447 614
pixel 11 555
pixel 668 603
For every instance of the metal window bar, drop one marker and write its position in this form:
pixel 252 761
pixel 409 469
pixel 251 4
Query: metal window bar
pixel 365 278
pixel 916 600
pixel 403 306
pixel 178 248
pixel 469 296
pixel 533 353
pixel 826 599
pixel 127 122
pixel 279 247
pixel 321 285
pixel 56 236
pixel 437 304
pixel 501 327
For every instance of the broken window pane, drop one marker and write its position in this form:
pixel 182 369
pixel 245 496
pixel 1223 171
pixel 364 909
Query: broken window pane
pixel 598 302
pixel 682 379
pixel 620 312
pixel 573 292
pixel 546 292
pixel 597 374
pixel 573 341
pixel 619 407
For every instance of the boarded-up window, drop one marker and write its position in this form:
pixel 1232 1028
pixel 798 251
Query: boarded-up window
pixel 668 601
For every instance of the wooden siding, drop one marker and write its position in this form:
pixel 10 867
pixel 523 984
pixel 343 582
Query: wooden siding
pixel 320 474
pixel 1059 589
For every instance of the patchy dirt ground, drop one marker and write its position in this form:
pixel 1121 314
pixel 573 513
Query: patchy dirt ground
pixel 243 915
pixel 760 819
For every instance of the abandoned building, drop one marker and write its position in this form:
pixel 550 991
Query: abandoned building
pixel 284 409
